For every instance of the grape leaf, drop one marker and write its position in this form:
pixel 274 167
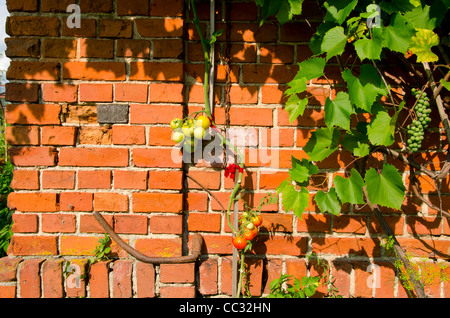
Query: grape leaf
pixel 370 48
pixel 350 189
pixel 339 10
pixel 356 142
pixel 419 18
pixel 311 68
pixel 363 90
pixel 381 129
pixel 296 6
pixel 445 84
pixel 397 35
pixel 295 107
pixel 421 44
pixel 323 142
pixel 296 86
pixel 328 202
pixel 385 189
pixel 338 111
pixel 334 42
pixel 294 200
pixel 302 170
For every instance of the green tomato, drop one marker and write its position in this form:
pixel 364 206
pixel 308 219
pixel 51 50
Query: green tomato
pixel 177 137
pixel 199 133
pixel 188 130
pixel 176 123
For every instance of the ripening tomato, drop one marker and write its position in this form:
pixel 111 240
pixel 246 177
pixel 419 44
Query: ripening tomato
pixel 257 220
pixel 176 123
pixel 203 121
pixel 177 136
pixel 249 234
pixel 239 242
pixel 199 133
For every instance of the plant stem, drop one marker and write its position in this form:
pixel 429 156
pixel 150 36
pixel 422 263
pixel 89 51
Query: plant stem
pixel 241 273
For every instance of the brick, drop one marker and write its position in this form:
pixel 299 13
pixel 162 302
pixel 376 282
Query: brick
pixel 130 224
pixel 420 225
pixel 349 224
pixel 60 93
pixel 252 32
pixel 33 114
pixel 22 135
pixel 21 92
pixel 110 28
pixel 249 116
pixel 156 71
pixel 156 28
pixel 204 222
pixel 277 137
pixel 131 92
pixel 130 180
pixel 122 275
pixel 94 179
pixel 99 280
pixel 88 224
pixel 110 202
pixel 346 246
pixel 8 268
pixel 169 180
pixel 91 71
pixel 273 94
pixel 154 114
pixel 87 29
pixel 133 48
pixel 362 276
pixel 33 156
pixel 58 223
pixel 93 157
pixel 22 5
pixel 134 7
pixel 128 135
pixel 33 202
pixel 296 32
pixel 30 281
pixel 277 54
pixel 209 179
pixel 166 224
pixel 90 135
pixel 96 92
pixel 8 291
pixel 76 201
pixel 311 118
pixel 173 291
pixel 77 245
pixel 112 113
pixel 395 223
pixel 43 71
pixel 76 114
pixel 157 202
pixel 160 136
pixel 208 277
pixel 169 8
pixel 341 270
pixel 75 285
pixel 384 282
pixel 271 180
pixel 166 93
pixel 55 6
pixel 32 26
pixel 25 180
pixel 243 53
pixel 59 48
pixel 58 136
pixel 25 223
pixel 145 280
pixel 244 95
pixel 52 278
pixel 99 48
pixel 156 157
pixel 196 201
pixel 167 48
pixel 177 273
pixel 33 245
pixel 93 6
pixel 58 179
pixel 273 73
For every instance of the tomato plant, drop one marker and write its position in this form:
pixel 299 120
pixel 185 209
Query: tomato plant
pixel 239 242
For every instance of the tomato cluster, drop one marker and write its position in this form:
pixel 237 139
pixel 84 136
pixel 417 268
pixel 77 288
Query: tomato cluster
pixel 188 131
pixel 248 229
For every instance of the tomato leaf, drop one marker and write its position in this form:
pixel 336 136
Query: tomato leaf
pixel 385 189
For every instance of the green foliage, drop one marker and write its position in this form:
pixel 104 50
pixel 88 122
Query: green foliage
pixel 102 251
pixel 283 288
pixel 6 175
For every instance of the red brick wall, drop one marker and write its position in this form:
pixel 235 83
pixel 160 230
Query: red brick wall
pixel 146 54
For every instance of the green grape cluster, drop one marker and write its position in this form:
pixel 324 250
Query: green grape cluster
pixel 417 127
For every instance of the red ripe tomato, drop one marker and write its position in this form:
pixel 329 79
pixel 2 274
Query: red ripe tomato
pixel 239 242
pixel 257 220
pixel 249 234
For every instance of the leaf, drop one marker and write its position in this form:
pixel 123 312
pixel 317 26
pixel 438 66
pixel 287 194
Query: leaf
pixel 323 142
pixel 338 111
pixel 328 202
pixel 294 200
pixel 363 90
pixel 419 18
pixel 339 10
pixel 385 189
pixel 350 189
pixel 311 68
pixel 334 42
pixel 381 129
pixel 445 84
pixel 296 86
pixel 421 44
pixel 397 35
pixel 370 48
pixel 295 107
pixel 356 142
pixel 302 170
pixel 296 6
